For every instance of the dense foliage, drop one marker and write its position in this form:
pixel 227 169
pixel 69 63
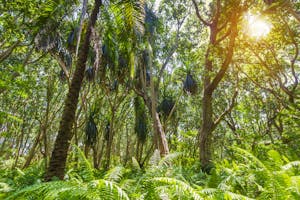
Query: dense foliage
pixel 136 99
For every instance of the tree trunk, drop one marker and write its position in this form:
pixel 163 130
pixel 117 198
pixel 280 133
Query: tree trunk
pixel 210 84
pixel 160 140
pixel 206 132
pixel 110 140
pixel 64 136
pixel 32 150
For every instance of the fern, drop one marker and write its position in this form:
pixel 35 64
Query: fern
pixel 177 187
pixel 291 165
pixel 85 170
pixel 96 189
pixel 168 159
pixel 115 174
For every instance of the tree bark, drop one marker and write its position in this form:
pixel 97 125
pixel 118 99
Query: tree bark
pixel 64 136
pixel 210 84
pixel 159 135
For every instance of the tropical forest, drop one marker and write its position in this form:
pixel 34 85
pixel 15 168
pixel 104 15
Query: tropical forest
pixel 150 99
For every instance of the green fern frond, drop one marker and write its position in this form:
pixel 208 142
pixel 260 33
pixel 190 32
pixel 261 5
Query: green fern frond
pixel 291 165
pixel 217 193
pixel 135 164
pixel 249 157
pixel 179 186
pixel 64 190
pixel 4 188
pixel 235 196
pixel 168 159
pixel 86 170
pixel 155 158
pixel 109 187
pixel 115 174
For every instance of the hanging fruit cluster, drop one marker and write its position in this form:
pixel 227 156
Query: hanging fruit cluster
pixel 166 106
pixel 141 128
pixel 91 131
pixel 190 85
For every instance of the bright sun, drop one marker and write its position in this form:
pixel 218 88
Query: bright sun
pixel 257 27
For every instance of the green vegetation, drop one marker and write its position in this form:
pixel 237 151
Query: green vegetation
pixel 136 99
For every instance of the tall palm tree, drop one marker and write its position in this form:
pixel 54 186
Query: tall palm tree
pixel 62 142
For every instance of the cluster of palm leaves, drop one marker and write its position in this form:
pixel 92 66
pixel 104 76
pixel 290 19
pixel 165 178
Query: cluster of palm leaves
pixel 245 177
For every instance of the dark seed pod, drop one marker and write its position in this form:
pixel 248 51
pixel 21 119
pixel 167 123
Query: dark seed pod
pixel 105 51
pixel 166 106
pixel 90 74
pixel 114 86
pixel 46 41
pixel 107 130
pixel 190 85
pixel 151 21
pixel 68 60
pixel 72 38
pixel 122 63
pixel 146 59
pixel 141 127
pixel 147 78
pixel 91 132
pixel 62 76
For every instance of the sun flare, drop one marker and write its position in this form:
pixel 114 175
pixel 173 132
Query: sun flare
pixel 257 27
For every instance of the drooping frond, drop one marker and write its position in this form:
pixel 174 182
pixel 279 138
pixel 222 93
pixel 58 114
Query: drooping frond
pixel 133 14
pixel 291 165
pixel 169 159
pixel 179 187
pixel 115 174
pixel 155 158
pixel 217 193
pixel 96 189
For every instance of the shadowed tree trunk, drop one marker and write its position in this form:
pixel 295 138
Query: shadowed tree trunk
pixel 208 123
pixel 210 81
pixel 64 136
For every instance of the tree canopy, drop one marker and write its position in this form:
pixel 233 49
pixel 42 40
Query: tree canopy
pixel 157 99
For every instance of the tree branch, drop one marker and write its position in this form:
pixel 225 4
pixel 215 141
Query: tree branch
pixel 228 110
pixel 8 51
pixel 198 14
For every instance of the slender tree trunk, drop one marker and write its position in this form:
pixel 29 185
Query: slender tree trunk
pixel 95 156
pixel 20 141
pixel 64 136
pixel 99 159
pixel 159 135
pixel 110 140
pixel 127 155
pixel 32 150
pixel 206 131
pixel 210 84
pixel 2 148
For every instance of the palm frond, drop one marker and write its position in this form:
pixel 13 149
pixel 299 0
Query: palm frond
pixel 132 13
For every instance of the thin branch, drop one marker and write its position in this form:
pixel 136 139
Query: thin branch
pixel 8 51
pixel 228 110
pixel 212 86
pixel 172 51
pixel 218 13
pixel 198 14
pixel 224 36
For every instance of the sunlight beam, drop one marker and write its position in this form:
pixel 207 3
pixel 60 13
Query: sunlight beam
pixel 257 27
